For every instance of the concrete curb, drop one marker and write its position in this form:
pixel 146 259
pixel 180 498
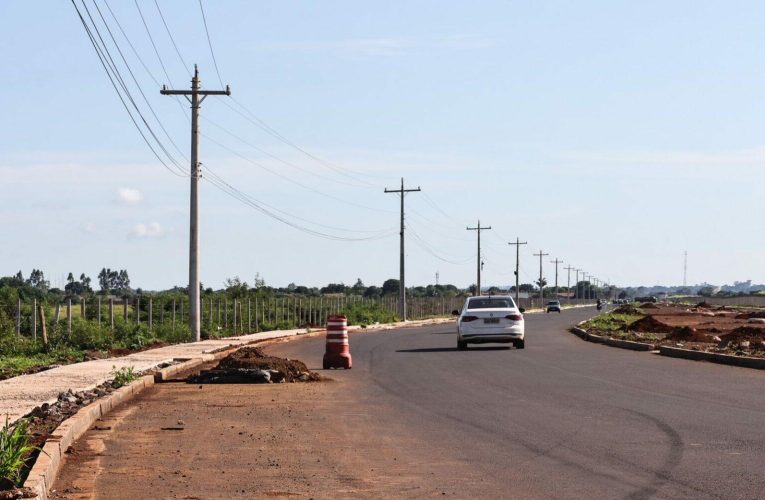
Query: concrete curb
pixel 48 463
pixel 725 359
pixel 602 339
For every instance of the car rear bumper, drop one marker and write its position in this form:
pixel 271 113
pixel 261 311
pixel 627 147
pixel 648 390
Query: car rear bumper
pixel 506 335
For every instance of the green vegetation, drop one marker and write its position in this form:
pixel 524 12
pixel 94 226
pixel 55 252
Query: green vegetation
pixel 367 314
pixel 611 322
pixel 123 376
pixel 14 449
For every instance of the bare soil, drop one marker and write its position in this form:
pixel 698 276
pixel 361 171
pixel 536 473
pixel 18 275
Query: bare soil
pixel 700 327
pixel 320 440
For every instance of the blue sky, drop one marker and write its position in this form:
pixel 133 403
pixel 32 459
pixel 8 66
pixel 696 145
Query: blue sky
pixel 612 135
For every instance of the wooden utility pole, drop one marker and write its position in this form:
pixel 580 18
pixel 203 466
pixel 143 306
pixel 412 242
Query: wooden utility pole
pixel 541 288
pixel 556 262
pixel 478 261
pixel 401 273
pixel 517 244
pixel 197 96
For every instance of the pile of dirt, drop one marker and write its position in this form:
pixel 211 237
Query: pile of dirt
pixel 649 305
pixel 652 325
pixel 688 334
pixel 744 333
pixel 751 314
pixel 703 305
pixel 251 365
pixel 627 309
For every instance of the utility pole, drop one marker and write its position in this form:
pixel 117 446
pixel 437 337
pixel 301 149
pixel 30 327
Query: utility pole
pixel 541 288
pixel 197 96
pixel 568 281
pixel 685 268
pixel 556 262
pixel 478 260
pixel 517 244
pixel 401 278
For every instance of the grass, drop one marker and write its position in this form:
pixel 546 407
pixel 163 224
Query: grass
pixel 123 376
pixel 14 448
pixel 611 322
pixel 18 364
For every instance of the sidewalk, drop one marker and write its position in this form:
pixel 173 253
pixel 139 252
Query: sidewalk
pixel 20 395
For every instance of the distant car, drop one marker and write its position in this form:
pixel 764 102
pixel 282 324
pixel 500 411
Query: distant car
pixel 553 306
pixel 488 319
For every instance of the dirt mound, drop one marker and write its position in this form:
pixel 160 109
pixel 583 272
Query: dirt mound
pixel 703 305
pixel 649 305
pixel 688 334
pixel 750 333
pixel 251 365
pixel 650 324
pixel 751 314
pixel 627 309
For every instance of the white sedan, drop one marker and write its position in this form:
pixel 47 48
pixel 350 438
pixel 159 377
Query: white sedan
pixel 489 319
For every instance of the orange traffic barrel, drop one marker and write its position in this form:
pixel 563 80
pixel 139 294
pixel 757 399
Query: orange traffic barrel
pixel 338 351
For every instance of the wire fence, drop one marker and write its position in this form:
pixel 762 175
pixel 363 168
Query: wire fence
pixel 219 315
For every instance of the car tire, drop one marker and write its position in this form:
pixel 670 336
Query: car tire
pixel 461 345
pixel 519 344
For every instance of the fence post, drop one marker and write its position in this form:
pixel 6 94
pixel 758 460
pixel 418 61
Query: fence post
pixel 234 316
pixel 150 311
pixel 99 310
pixel 211 314
pixel 82 308
pixel 225 313
pixel 69 316
pixel 138 310
pixel 34 319
pixel 173 315
pixel 18 317
pixel 44 327
pixel 111 311
pixel 249 316
pixel 125 308
pixel 181 311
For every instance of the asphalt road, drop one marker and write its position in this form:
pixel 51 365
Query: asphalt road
pixel 563 418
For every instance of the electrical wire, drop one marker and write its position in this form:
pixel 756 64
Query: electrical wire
pixel 185 66
pixel 151 38
pixel 209 43
pixel 425 246
pixel 103 60
pixel 237 194
pixel 140 59
pixel 135 80
pixel 288 179
pixel 285 162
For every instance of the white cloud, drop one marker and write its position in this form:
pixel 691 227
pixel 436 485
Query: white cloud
pixel 88 227
pixel 151 230
pixel 129 196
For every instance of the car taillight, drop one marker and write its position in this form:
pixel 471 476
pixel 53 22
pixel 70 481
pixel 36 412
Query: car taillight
pixel 467 319
pixel 514 317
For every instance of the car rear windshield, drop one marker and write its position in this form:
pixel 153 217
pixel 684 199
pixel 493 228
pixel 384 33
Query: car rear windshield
pixel 490 303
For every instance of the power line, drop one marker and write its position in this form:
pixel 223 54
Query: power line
pixel 209 42
pixel 100 53
pixel 148 32
pixel 288 179
pixel 135 80
pixel 185 66
pixel 259 206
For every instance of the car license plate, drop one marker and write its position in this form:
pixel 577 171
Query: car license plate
pixel 491 320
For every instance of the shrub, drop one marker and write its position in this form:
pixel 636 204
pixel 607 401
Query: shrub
pixel 14 448
pixel 123 376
